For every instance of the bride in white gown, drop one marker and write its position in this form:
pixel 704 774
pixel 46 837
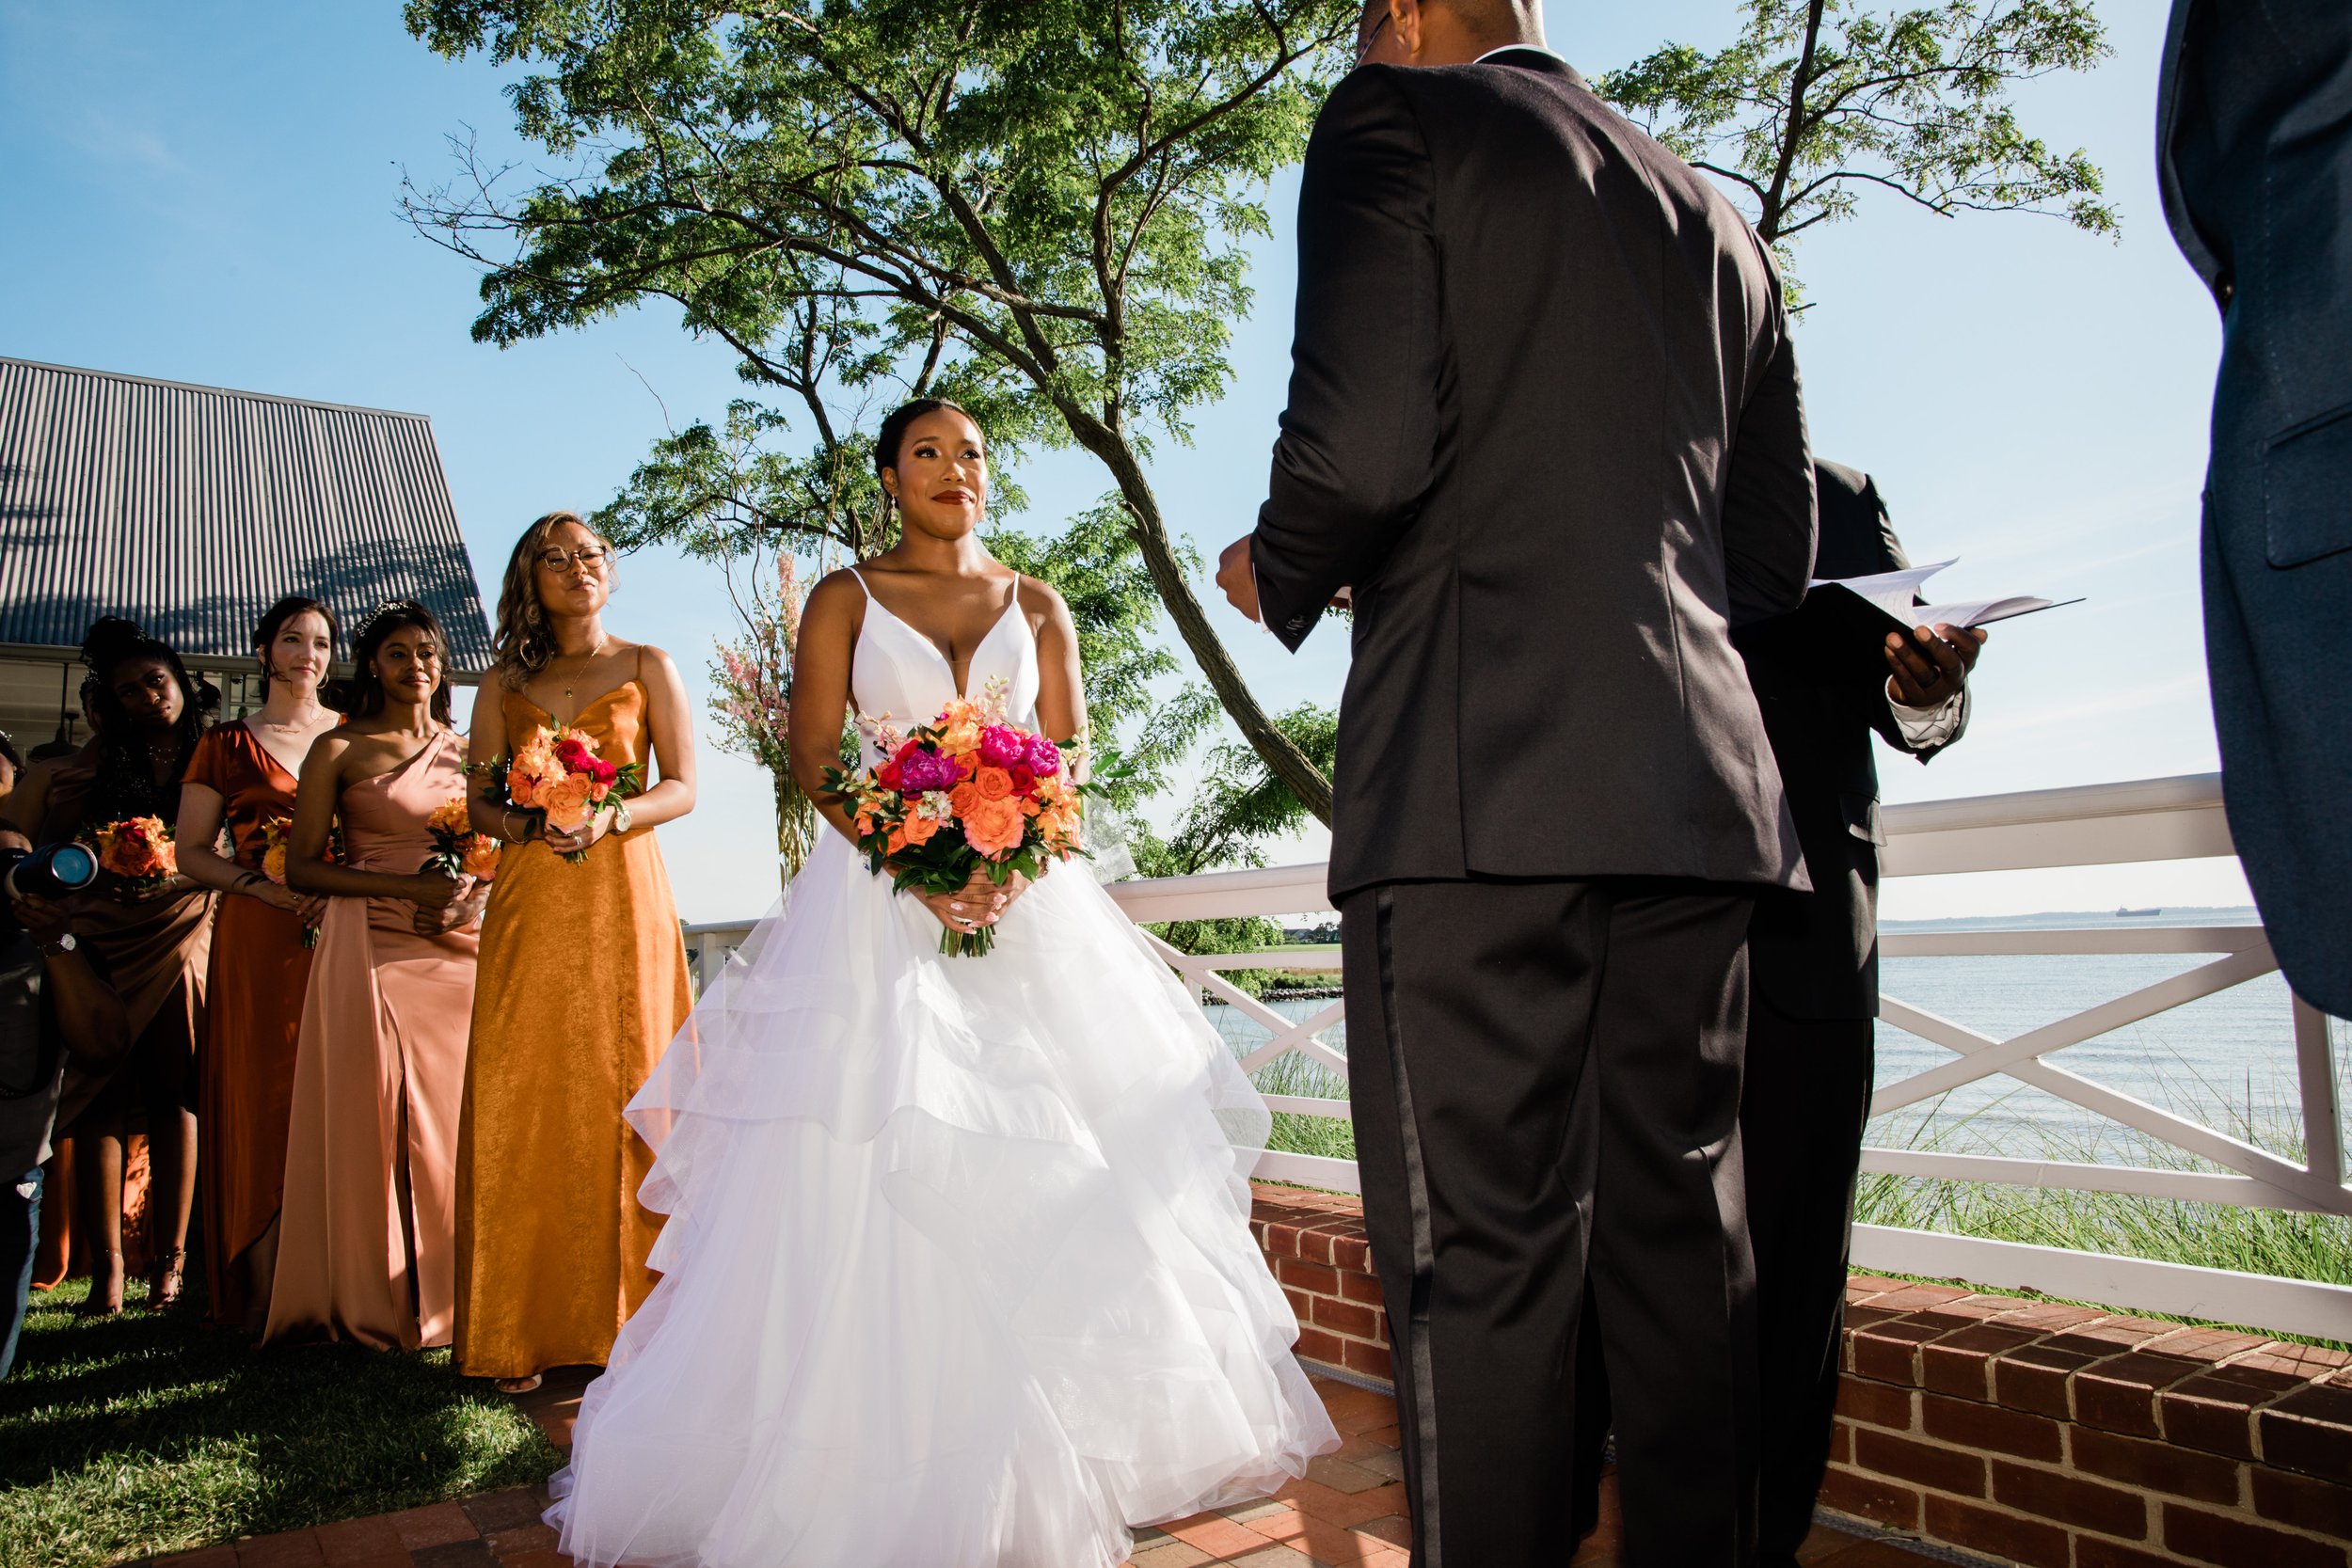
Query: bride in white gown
pixel 956 1270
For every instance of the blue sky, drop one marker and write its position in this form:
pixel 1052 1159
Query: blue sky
pixel 206 192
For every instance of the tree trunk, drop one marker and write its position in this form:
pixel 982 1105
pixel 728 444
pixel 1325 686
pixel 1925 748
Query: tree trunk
pixel 1289 764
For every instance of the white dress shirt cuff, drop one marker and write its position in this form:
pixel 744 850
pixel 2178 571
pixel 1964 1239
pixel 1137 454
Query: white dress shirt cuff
pixel 1925 727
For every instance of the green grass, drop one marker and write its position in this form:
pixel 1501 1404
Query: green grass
pixel 147 1433
pixel 2164 1231
pixel 1333 1137
pixel 2251 1241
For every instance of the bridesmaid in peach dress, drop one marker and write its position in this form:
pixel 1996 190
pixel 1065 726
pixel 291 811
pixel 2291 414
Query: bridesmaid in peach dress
pixel 584 981
pixel 243 778
pixel 366 1236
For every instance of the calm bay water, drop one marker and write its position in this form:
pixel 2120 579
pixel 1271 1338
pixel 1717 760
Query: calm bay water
pixel 2227 1059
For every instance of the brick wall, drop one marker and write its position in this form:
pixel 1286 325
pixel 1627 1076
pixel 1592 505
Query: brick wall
pixel 2055 1436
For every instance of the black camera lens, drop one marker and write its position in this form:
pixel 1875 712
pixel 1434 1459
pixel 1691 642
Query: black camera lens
pixel 52 872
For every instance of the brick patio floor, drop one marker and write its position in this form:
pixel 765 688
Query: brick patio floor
pixel 1348 1513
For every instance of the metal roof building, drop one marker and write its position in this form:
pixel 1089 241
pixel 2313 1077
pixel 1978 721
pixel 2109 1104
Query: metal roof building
pixel 190 509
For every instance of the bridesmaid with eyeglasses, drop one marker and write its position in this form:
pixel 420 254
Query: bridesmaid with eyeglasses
pixel 583 979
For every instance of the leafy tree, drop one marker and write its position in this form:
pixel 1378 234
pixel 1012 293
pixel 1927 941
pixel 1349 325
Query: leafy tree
pixel 1238 803
pixel 1819 101
pixel 1039 201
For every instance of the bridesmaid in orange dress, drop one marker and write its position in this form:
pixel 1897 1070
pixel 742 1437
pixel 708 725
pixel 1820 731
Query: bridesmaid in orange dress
pixel 242 774
pixel 365 1237
pixel 584 981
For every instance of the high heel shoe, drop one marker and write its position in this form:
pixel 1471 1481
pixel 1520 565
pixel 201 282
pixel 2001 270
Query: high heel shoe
pixel 106 1288
pixel 164 1281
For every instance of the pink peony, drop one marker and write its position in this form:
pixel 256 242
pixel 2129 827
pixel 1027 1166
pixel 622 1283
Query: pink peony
pixel 1001 745
pixel 1043 758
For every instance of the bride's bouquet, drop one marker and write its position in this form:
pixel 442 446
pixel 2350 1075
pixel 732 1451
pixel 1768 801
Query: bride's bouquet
pixel 963 794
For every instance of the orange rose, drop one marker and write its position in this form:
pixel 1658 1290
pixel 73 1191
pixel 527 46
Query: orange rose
pixel 993 784
pixel 997 828
pixel 451 817
pixel 566 804
pixel 897 839
pixel 966 798
pixel 274 863
pixel 919 830
pixel 481 858
pixel 534 769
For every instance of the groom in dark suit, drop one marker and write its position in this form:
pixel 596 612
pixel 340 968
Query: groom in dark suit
pixel 1544 422
pixel 2255 153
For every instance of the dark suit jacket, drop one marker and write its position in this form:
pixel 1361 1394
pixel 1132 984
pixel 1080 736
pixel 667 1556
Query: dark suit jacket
pixel 2255 153
pixel 1544 418
pixel 1814 955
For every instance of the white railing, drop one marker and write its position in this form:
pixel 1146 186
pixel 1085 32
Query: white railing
pixel 2099 825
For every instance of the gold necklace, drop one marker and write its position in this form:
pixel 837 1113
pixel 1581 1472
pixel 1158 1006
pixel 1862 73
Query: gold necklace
pixel 590 657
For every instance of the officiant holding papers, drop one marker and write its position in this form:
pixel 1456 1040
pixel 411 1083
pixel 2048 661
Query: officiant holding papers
pixel 1826 682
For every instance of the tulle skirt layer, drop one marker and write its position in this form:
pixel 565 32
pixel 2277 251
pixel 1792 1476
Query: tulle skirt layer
pixel 956 1270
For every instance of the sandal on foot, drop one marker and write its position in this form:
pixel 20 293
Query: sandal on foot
pixel 520 1385
pixel 100 1303
pixel 164 1281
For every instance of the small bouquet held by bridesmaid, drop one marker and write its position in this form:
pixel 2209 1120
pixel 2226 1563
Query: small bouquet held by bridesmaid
pixel 458 850
pixel 139 850
pixel 558 775
pixel 277 834
pixel 963 794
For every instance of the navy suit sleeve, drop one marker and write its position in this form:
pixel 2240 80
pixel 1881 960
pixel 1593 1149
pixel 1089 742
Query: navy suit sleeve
pixel 1769 519
pixel 1357 448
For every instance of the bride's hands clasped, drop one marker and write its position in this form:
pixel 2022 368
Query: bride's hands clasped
pixel 978 903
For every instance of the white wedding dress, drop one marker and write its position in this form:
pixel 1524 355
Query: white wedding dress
pixel 956 1271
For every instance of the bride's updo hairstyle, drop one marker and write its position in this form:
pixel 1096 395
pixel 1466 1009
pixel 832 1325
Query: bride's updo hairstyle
pixel 524 641
pixel 894 434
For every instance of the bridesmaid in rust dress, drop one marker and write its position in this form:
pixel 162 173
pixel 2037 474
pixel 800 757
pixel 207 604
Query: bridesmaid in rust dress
pixel 584 981
pixel 243 776
pixel 365 1235
pixel 152 945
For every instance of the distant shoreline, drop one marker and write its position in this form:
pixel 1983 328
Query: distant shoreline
pixel 2185 914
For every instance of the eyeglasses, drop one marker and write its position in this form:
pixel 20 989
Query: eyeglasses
pixel 1363 46
pixel 555 557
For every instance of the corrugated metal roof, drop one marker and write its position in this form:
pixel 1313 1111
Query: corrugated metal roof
pixel 191 509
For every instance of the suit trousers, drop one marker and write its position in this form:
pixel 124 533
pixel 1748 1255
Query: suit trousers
pixel 1545 1080
pixel 1802 1113
pixel 1800 1126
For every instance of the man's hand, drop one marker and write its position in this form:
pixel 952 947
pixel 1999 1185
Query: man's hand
pixel 1931 667
pixel 1238 577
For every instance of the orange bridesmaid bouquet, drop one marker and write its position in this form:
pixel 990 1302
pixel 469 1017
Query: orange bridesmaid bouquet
pixel 458 850
pixel 559 775
pixel 139 851
pixel 276 832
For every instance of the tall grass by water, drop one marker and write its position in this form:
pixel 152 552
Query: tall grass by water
pixel 2261 1110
